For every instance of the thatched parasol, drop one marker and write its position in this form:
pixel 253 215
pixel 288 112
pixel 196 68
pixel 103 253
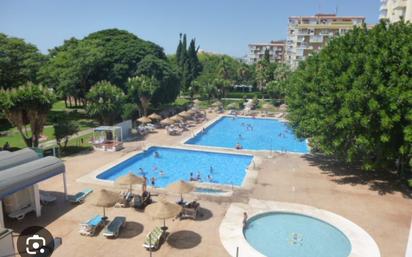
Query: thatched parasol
pixel 181 187
pixel 191 111
pixel 129 179
pixel 105 198
pixel 144 120
pixel 217 104
pixel 163 210
pixel 176 118
pixel 185 114
pixel 155 116
pixel 233 106
pixel 268 106
pixel 167 121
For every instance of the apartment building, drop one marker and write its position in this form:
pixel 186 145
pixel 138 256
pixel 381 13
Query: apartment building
pixel 394 10
pixel 277 51
pixel 309 34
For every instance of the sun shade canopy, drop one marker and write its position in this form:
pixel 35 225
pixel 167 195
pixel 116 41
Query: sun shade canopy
pixel 11 159
pixel 19 177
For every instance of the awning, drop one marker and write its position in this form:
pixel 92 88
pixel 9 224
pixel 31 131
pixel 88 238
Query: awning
pixel 22 176
pixel 11 159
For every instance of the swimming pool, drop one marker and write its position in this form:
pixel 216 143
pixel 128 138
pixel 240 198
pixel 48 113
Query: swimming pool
pixel 279 234
pixel 177 164
pixel 252 134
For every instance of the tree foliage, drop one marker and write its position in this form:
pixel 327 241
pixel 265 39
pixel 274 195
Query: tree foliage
pixel 354 99
pixel 105 102
pixel 27 105
pixel 19 62
pixel 141 89
pixel 63 129
pixel 112 55
pixel 163 72
pixel 187 61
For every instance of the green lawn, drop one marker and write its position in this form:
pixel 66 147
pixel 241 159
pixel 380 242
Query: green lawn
pixel 15 140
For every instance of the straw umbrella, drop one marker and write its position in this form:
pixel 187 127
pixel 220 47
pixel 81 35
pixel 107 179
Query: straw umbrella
pixel 181 187
pixel 144 120
pixel 268 106
pixel 233 106
pixel 217 104
pixel 185 114
pixel 167 121
pixel 176 118
pixel 129 179
pixel 163 210
pixel 105 199
pixel 155 116
pixel 191 111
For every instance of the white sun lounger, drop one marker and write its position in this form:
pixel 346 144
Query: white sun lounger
pixel 46 198
pixel 20 214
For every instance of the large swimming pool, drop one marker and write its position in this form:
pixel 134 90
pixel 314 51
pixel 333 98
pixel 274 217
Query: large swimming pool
pixel 177 164
pixel 252 134
pixel 278 234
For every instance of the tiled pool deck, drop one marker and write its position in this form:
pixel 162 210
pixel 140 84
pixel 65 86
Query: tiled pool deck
pixel 377 207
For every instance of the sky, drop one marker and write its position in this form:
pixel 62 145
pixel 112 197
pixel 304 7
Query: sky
pixel 221 26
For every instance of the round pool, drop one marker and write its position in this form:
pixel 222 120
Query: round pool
pixel 280 234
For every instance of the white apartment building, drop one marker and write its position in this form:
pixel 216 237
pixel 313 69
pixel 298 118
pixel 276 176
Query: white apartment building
pixel 309 34
pixel 393 10
pixel 276 51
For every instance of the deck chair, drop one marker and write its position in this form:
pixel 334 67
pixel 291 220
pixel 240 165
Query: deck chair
pixel 80 196
pixel 113 229
pixel 154 238
pixel 21 213
pixel 89 228
pixel 46 198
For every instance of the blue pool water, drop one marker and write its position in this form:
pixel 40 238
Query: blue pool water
pixel 260 134
pixel 177 164
pixel 280 234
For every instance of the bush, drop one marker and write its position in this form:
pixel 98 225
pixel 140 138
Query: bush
pixel 245 94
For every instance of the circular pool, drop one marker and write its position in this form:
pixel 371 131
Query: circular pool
pixel 280 234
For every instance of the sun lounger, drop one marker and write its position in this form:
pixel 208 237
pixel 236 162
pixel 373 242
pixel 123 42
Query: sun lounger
pixel 80 196
pixel 113 229
pixel 190 210
pixel 20 214
pixel 89 228
pixel 154 238
pixel 125 201
pixel 141 202
pixel 46 198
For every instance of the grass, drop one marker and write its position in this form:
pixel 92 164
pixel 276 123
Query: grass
pixel 15 140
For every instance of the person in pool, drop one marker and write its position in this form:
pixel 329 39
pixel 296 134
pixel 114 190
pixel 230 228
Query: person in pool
pixel 141 171
pixel 191 177
pixel 209 178
pixel 238 146
pixel 211 170
pixel 198 178
pixel 153 181
pixel 161 173
pixel 156 154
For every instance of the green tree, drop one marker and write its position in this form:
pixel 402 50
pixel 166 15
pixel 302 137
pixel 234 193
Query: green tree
pixel 19 62
pixel 105 102
pixel 63 129
pixel 112 55
pixel 164 73
pixel 354 99
pixel 27 105
pixel 189 66
pixel 141 90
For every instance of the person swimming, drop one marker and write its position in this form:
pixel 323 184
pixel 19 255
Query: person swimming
pixel 238 146
pixel 209 178
pixel 211 170
pixel 240 136
pixel 191 177
pixel 156 154
pixel 161 173
pixel 198 178
pixel 141 171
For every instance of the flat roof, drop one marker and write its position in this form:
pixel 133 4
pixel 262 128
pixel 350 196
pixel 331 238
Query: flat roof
pixel 11 159
pixel 19 177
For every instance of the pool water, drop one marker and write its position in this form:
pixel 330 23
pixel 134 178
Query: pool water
pixel 209 190
pixel 279 234
pixel 177 164
pixel 252 134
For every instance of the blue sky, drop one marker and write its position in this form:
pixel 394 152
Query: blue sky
pixel 224 26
